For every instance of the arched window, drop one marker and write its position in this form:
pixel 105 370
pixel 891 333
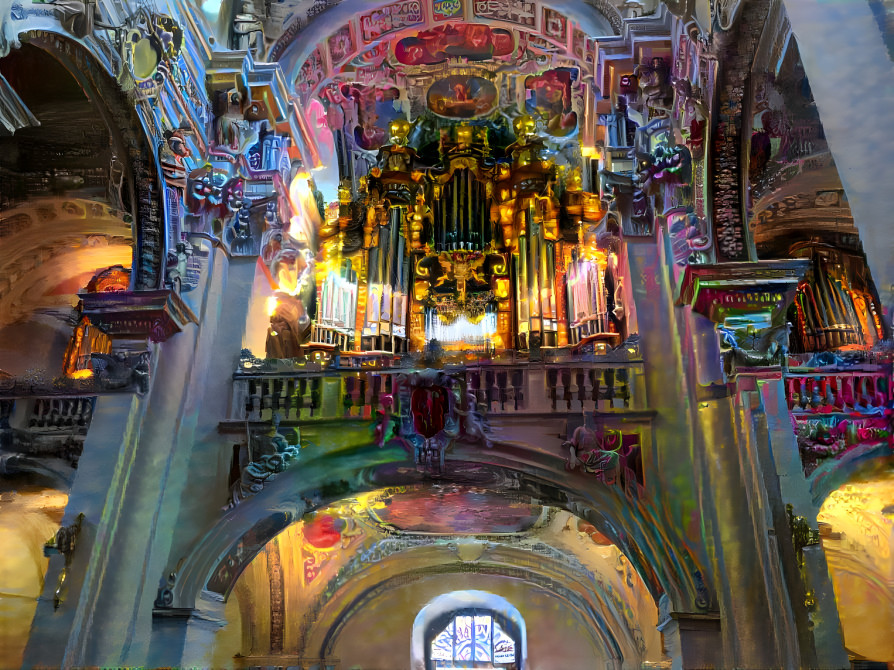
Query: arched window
pixel 473 638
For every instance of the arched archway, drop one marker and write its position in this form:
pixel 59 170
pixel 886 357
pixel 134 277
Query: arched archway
pixel 80 194
pixel 216 561
pixel 856 528
pixel 338 574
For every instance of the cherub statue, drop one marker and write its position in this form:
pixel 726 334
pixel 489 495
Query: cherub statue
pixel 587 451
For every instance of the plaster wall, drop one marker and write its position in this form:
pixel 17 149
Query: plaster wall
pixel 379 637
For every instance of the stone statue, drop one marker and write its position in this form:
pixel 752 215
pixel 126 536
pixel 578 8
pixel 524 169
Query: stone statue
pixel 587 452
pixel 749 347
pixel 472 424
pixel 269 454
pixel 285 334
pixel 248 30
pixel 175 268
pixel 120 371
pixel 655 86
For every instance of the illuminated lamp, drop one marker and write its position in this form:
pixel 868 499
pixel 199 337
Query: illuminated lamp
pixel 501 289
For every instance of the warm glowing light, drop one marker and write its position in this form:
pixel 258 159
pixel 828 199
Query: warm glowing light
pixel 305 219
pixel 272 303
pixel 81 374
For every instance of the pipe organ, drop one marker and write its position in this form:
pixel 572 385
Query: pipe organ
pixel 476 252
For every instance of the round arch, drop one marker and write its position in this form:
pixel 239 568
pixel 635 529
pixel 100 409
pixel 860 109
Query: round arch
pixel 141 191
pixel 856 526
pixel 324 642
pixel 835 473
pixel 584 594
pixel 639 528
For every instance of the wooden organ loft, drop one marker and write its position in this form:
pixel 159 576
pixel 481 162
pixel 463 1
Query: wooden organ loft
pixel 477 253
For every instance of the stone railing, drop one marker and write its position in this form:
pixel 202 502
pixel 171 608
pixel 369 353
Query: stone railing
pixel 839 408
pixel 324 389
pixel 865 388
pixel 43 432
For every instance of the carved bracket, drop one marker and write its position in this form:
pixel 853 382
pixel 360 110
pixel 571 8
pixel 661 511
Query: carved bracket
pixel 741 289
pixel 155 315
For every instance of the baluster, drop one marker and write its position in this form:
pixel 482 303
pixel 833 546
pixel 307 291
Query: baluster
pixel 595 378
pixel 374 400
pixel 501 388
pixel 833 391
pixel 581 387
pixel 491 389
pixel 250 396
pixel 552 380
pixel 34 421
pixel 68 407
pixel 518 382
pixel 878 391
pixel 388 389
pixel 266 400
pixel 288 399
pixel 299 397
pixel 815 398
pixel 277 395
pixel 624 378
pixel 480 396
pixel 609 376
pixel 316 394
pixel 566 387
pixel 850 390
pixel 363 403
pixel 51 419
pixel 347 401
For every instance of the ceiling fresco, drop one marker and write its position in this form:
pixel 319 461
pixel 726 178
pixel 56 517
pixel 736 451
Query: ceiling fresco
pixel 478 63
pixel 454 509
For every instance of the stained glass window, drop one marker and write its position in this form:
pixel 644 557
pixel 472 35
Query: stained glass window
pixel 504 646
pixel 472 639
pixel 442 645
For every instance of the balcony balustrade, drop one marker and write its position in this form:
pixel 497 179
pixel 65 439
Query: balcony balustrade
pixel 839 408
pixel 360 386
pixel 43 433
pixel 866 389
